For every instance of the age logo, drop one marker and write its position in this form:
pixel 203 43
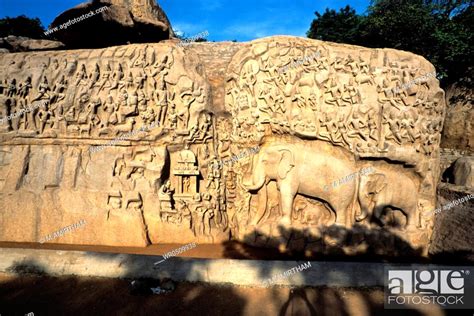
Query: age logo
pixel 447 287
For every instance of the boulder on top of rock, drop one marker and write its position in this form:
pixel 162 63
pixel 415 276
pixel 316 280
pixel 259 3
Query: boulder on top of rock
pixel 104 23
pixel 23 44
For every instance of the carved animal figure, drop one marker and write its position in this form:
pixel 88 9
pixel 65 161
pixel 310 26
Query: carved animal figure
pixel 125 128
pixel 361 79
pixel 298 167
pixel 85 128
pixel 389 189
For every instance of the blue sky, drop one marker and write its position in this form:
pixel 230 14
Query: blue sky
pixel 241 20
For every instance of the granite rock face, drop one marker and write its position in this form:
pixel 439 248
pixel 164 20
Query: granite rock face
pixel 458 129
pixel 281 142
pixel 25 44
pixel 454 220
pixel 130 21
pixel 463 171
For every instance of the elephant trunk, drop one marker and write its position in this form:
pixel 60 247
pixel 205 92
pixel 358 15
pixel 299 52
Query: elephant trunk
pixel 254 179
pixel 365 204
pixel 250 185
pixel 363 214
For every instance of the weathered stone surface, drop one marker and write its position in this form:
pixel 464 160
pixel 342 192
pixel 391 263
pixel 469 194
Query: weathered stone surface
pixel 130 21
pixel 452 235
pixel 458 131
pixel 281 142
pixel 24 44
pixel 464 172
pixel 33 45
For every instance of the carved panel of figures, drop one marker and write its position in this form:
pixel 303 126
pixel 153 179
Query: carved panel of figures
pixel 298 144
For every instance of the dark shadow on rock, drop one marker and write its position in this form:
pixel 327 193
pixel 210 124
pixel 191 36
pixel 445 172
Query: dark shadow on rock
pixel 299 304
pixel 114 26
pixel 28 266
pixel 100 296
pixel 328 243
pixel 448 174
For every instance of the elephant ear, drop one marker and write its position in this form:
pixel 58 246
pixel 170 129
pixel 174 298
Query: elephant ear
pixel 377 183
pixel 287 162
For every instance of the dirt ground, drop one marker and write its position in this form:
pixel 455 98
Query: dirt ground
pixel 44 295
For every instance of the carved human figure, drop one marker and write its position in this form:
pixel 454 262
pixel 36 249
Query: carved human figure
pixel 333 91
pixel 43 116
pixel 161 99
pixel 59 90
pixel 188 98
pixel 356 126
pixel 43 90
pixel 18 122
pixel 81 76
pixel 110 115
pixel 95 76
pixel 207 215
pixel 205 129
pixel 186 184
pixel 390 117
pixel 173 117
pixel 105 80
pixel 116 77
pixel 24 88
pixel 140 79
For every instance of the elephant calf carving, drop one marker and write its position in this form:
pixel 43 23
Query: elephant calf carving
pixel 300 168
pixel 391 189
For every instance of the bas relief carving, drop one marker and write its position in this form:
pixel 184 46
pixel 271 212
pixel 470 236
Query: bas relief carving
pixel 319 113
pixel 322 112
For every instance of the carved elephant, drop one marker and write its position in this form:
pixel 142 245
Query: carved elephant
pixel 299 167
pixel 391 189
pixel 311 213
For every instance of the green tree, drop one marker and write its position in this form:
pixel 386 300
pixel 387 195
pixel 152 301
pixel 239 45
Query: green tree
pixel 21 26
pixel 339 27
pixel 401 24
pixel 439 30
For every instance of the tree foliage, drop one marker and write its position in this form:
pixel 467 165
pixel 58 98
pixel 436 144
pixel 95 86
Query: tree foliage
pixel 21 26
pixel 335 26
pixel 439 30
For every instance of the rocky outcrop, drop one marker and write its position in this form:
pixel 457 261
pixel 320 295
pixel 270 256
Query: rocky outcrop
pixel 280 142
pixel 452 238
pixel 458 132
pixel 24 44
pixel 464 172
pixel 104 23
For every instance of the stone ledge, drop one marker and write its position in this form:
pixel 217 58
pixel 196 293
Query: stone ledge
pixel 216 271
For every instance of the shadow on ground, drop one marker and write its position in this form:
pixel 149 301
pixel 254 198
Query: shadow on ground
pixel 45 295
pixel 32 289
